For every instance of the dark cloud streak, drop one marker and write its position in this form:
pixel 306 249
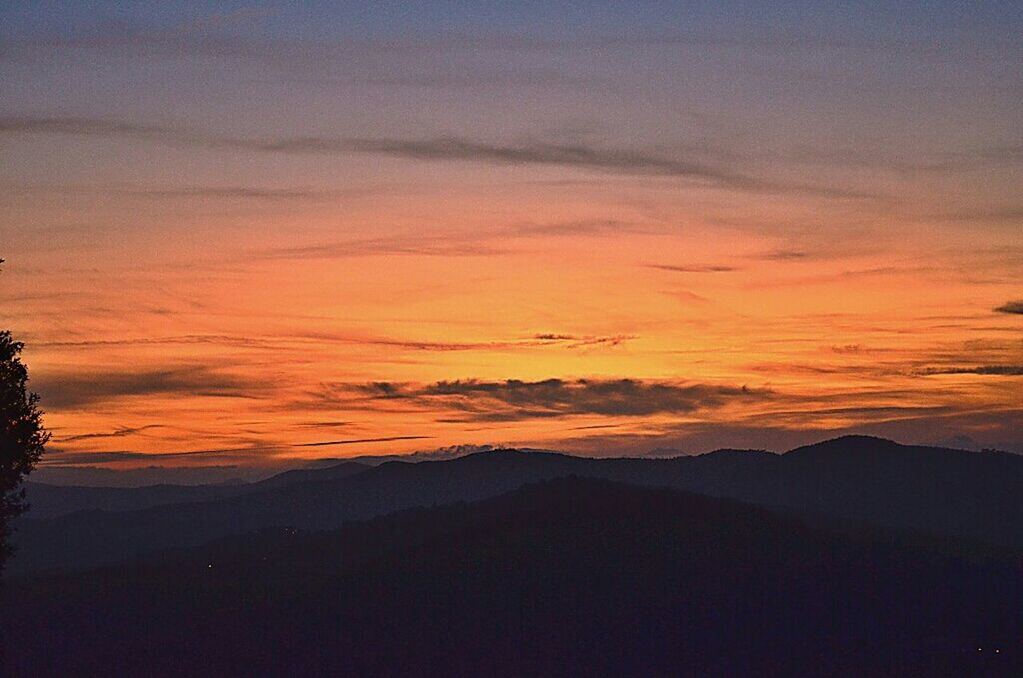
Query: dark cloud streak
pixel 1011 307
pixel 578 156
pixel 118 433
pixel 515 400
pixel 80 390
pixel 693 269
pixel 993 370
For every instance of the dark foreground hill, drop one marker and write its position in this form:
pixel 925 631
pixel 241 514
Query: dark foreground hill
pixel 566 577
pixel 950 493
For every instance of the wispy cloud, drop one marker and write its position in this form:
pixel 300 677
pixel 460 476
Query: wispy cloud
pixel 120 432
pixel 437 246
pixel 81 389
pixel 188 339
pixel 574 341
pixel 325 424
pixel 578 156
pixel 784 255
pixel 1011 307
pixel 694 269
pixel 996 370
pixel 514 400
pixel 229 192
pixel 311 337
pixel 987 215
pixel 206 36
pixel 465 78
pixel 471 244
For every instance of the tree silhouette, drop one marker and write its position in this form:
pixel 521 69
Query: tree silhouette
pixel 22 436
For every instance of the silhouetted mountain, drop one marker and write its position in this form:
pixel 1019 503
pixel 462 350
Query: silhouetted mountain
pixel 967 495
pixel 305 475
pixel 94 476
pixel 956 494
pixel 567 577
pixel 94 537
pixel 49 501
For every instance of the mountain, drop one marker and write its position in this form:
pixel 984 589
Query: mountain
pixel 965 495
pixel 49 501
pixel 94 537
pixel 948 493
pixel 571 576
pixel 94 476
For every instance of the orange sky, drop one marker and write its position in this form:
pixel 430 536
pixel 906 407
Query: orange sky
pixel 245 284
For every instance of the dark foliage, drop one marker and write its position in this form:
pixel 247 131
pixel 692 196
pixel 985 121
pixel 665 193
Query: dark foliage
pixel 21 436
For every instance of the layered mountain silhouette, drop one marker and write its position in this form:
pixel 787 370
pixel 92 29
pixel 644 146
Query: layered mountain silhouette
pixel 571 576
pixel 853 480
pixel 50 501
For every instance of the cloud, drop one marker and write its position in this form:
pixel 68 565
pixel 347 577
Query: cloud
pixel 997 370
pixel 535 153
pixel 438 246
pixel 213 192
pixel 784 255
pixel 570 341
pixel 296 341
pixel 999 215
pixel 694 269
pixel 213 339
pixel 466 77
pixel 208 36
pixel 513 399
pixel 99 127
pixel 448 245
pixel 120 432
pixel 577 227
pixel 59 458
pixel 325 424
pixel 228 192
pixel 356 441
pixel 79 390
pixel 1012 307
pixel 573 341
pixel 578 156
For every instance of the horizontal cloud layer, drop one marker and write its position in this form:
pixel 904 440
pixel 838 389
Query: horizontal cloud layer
pixel 513 399
pixel 79 390
pixel 999 370
pixel 1014 307
pixel 575 155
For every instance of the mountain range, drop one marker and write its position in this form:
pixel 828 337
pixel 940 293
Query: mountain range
pixel 568 576
pixel 946 494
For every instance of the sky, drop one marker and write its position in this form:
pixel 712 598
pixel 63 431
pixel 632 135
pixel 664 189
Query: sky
pixel 249 234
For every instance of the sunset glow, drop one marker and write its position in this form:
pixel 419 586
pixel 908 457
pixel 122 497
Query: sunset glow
pixel 615 233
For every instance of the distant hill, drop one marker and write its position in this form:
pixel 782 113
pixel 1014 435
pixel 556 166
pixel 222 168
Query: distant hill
pixel 49 501
pixel 566 577
pixel 955 494
pixel 97 476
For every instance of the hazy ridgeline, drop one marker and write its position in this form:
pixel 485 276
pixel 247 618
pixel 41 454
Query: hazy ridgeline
pixel 864 557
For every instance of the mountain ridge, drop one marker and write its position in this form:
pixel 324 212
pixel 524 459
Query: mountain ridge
pixel 955 494
pixel 548 578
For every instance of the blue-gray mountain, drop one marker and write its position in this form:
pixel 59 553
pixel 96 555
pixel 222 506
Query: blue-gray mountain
pixel 949 494
pixel 571 576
